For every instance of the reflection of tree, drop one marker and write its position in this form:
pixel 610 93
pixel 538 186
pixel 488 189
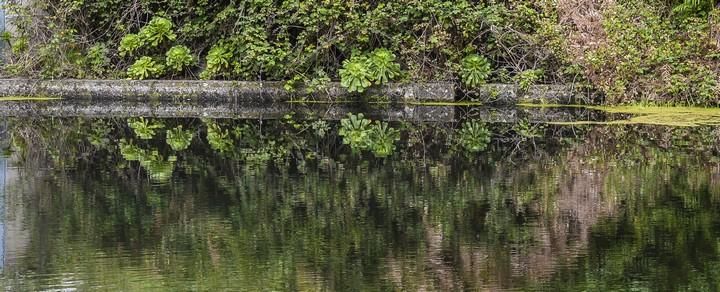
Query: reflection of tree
pixel 578 218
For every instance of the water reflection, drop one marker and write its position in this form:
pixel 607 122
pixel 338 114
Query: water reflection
pixel 594 214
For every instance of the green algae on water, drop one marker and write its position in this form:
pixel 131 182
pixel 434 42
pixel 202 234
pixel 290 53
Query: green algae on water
pixel 677 116
pixel 418 103
pixel 28 98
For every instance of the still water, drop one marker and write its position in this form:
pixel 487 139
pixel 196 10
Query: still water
pixel 593 208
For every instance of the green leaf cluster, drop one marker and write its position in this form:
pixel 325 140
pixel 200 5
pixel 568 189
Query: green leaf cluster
pixel 178 58
pixel 360 72
pixel 528 78
pixel 475 70
pixel 145 68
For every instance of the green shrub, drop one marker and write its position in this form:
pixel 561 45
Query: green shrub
pixel 145 68
pixel 178 58
pixel 129 44
pixel 646 56
pixel 355 74
pixel 475 70
pixel 383 67
pixel 218 59
pixel 359 72
pixel 685 8
pixel 528 78
pixel 97 60
pixel 157 31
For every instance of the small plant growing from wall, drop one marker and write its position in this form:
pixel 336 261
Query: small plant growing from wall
pixel 129 44
pixel 145 68
pixel 528 78
pixel 474 70
pixel 218 59
pixel 178 58
pixel 355 74
pixel 150 40
pixel 157 31
pixel 360 72
pixel 383 67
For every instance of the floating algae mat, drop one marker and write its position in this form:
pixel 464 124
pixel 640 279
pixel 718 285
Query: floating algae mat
pixel 678 116
pixel 28 98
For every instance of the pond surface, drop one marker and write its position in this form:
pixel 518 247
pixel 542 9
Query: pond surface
pixel 542 208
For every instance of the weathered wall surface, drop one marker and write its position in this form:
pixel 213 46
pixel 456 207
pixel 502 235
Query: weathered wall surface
pixel 214 90
pixel 243 91
pixel 513 94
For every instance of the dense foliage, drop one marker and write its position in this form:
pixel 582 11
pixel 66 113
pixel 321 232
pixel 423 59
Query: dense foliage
pixel 363 43
pixel 648 50
pixel 651 50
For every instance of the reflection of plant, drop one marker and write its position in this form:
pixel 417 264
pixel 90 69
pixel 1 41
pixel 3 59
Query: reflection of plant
pixel 355 74
pixel 159 168
pixel 382 65
pixel 143 128
pixel 321 128
pixel 361 134
pixel 144 68
pixel 178 139
pixel 382 139
pixel 98 136
pixel 474 136
pixel 131 152
pixel 475 69
pixel 218 138
pixel 178 57
pixel 355 130
pixel 526 130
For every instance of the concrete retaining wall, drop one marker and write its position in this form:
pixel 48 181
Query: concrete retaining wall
pixel 236 91
pixel 263 92
pixel 548 94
